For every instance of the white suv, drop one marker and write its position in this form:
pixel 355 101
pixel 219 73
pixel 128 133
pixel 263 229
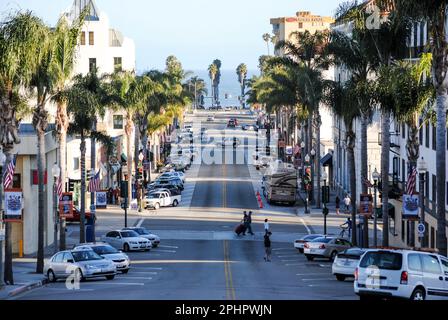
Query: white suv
pixel 415 275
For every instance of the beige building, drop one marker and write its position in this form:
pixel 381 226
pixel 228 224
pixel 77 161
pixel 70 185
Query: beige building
pixel 303 21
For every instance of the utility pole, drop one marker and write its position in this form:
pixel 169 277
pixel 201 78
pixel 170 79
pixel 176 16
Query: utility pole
pixel 2 231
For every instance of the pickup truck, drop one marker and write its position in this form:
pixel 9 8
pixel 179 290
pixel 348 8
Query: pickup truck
pixel 161 199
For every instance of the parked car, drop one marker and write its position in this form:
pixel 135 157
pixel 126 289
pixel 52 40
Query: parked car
pixel 105 250
pixel 77 215
pixel 170 181
pixel 173 173
pixel 298 244
pixel 325 247
pixel 210 118
pixel 161 199
pixel 228 142
pixel 173 189
pixel 127 241
pixel 393 273
pixel 345 263
pixel 231 123
pixel 250 127
pixel 82 264
pixel 144 233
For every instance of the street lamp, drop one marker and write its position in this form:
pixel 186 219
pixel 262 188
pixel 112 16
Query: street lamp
pixel 56 171
pixel 375 177
pixel 138 185
pixel 2 233
pixel 313 154
pixel 422 168
pixel 307 210
pixel 325 210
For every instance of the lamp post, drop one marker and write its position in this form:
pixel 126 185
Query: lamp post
pixel 302 155
pixel 307 209
pixel 325 210
pixel 2 230
pixel 138 185
pixel 56 171
pixel 422 167
pixel 375 177
pixel 313 154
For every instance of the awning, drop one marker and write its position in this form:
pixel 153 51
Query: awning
pixel 327 160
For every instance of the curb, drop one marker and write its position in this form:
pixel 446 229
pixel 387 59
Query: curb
pixel 28 287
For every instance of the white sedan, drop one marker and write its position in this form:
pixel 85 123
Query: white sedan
pixel 345 263
pixel 127 240
pixel 298 244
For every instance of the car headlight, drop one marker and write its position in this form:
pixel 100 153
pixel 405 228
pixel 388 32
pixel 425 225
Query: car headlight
pixel 90 267
pixel 133 242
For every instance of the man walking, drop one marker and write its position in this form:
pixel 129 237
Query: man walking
pixel 347 203
pixel 266 226
pixel 338 203
pixel 249 223
pixel 267 247
pixel 245 222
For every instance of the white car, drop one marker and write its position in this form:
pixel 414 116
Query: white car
pixel 345 263
pixel 144 233
pixel 120 259
pixel 127 241
pixel 161 199
pixel 415 275
pixel 172 173
pixel 210 118
pixel 298 243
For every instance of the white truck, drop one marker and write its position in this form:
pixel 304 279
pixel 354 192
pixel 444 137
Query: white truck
pixel 161 199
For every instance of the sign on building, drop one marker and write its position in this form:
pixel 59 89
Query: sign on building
pixel 66 205
pixel 365 204
pixel 101 199
pixel 13 205
pixel 410 206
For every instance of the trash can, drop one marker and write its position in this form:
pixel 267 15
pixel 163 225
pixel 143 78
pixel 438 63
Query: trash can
pixel 89 233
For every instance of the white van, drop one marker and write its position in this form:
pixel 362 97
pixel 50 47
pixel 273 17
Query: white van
pixel 408 274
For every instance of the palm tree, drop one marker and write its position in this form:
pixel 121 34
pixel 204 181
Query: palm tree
pixel 241 71
pixel 267 38
pixel 433 13
pixel 20 44
pixel 197 88
pixel 217 80
pixel 212 72
pixel 84 106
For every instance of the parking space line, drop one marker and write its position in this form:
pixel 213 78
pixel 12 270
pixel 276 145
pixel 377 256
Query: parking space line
pixel 311 274
pixel 119 283
pixel 289 256
pixel 282 249
pixel 140 272
pixel 141 278
pixel 305 225
pixel 147 268
pixel 319 279
pixel 289 260
pixel 164 246
pixel 139 224
pixel 167 251
pixel 293 264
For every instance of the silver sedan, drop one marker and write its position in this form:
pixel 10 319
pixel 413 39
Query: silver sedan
pixel 325 247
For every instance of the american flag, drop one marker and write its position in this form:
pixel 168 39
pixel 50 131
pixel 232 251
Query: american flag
pixel 9 173
pixel 59 187
pixel 412 177
pixel 94 183
pixel 367 182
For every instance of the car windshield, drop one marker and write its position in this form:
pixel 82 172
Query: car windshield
pixel 104 250
pixel 382 260
pixel 129 234
pixel 154 196
pixel 322 239
pixel 85 255
pixel 311 237
pixel 141 231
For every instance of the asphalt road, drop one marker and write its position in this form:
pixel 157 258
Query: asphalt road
pixel 213 269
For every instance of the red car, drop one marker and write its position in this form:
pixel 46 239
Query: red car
pixel 77 216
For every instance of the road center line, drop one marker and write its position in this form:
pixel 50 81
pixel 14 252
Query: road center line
pixel 306 226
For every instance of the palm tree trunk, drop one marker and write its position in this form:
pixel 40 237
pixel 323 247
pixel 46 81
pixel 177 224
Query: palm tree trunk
pixel 128 131
pixel 93 161
pixel 82 235
pixel 317 163
pixel 385 150
pixel 8 272
pixel 136 160
pixel 62 126
pixel 364 173
pixel 352 180
pixel 441 109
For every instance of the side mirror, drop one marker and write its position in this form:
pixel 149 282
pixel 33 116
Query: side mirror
pixel 70 261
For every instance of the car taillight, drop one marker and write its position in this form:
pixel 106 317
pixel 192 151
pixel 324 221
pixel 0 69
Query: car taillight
pixel 356 274
pixel 322 246
pixel 306 245
pixel 404 278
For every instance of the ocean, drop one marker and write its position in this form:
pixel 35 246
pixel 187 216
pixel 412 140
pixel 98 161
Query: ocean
pixel 228 85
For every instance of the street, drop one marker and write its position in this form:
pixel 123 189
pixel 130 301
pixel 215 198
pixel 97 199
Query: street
pixel 200 257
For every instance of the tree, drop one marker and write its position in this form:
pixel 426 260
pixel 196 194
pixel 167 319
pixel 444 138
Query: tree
pixel 434 14
pixel 267 38
pixel 85 104
pixel 212 72
pixel 20 47
pixel 217 80
pixel 241 71
pixel 197 88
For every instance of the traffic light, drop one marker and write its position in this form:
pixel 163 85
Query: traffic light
pixel 307 176
pixel 124 189
pixel 140 173
pixel 71 185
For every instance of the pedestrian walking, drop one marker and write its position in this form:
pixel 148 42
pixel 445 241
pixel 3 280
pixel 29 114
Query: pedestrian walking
pixel 347 203
pixel 338 203
pixel 245 222
pixel 249 223
pixel 267 247
pixel 266 226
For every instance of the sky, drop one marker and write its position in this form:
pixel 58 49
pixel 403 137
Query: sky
pixel 195 31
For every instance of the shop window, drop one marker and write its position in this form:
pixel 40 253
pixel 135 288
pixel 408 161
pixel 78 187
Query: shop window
pixel 118 121
pixel 91 38
pixel 83 38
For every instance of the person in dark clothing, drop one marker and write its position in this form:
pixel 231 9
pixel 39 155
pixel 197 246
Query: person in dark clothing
pixel 249 223
pixel 338 203
pixel 267 247
pixel 245 222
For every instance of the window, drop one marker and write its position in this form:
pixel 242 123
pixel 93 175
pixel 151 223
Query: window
pixel 403 130
pixel 118 121
pixel 58 257
pixel 444 266
pixel 434 189
pixel 434 140
pixel 67 256
pixel 92 65
pixel 403 171
pixel 427 135
pixel 75 163
pixel 403 230
pixel 430 264
pixel 117 63
pixel 427 186
pixel 300 25
pixel 17 181
pixel 414 262
pixel 433 237
pixel 382 260
pixel 447 193
pixel 420 131
pixel 83 38
pixel 91 38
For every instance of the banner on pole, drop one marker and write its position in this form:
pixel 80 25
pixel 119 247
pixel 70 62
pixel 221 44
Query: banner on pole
pixel 13 205
pixel 410 206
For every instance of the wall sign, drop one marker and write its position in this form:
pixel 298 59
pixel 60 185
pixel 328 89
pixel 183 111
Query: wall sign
pixel 13 205
pixel 66 205
pixel 101 199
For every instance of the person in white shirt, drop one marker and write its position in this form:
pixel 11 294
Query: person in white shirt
pixel 347 203
pixel 266 226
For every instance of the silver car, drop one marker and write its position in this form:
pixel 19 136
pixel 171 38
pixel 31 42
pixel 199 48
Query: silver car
pixel 144 233
pixel 298 244
pixel 345 263
pixel 325 247
pixel 120 259
pixel 82 264
pixel 127 240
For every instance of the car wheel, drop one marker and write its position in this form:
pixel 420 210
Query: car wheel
pixel 340 277
pixel 111 277
pixel 300 250
pixel 51 276
pixel 78 275
pixel 157 206
pixel 175 203
pixel 333 255
pixel 125 271
pixel 126 247
pixel 418 294
pixel 309 258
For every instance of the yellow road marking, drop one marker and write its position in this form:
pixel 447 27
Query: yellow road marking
pixel 224 186
pixel 230 290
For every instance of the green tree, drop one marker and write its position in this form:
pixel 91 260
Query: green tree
pixel 241 72
pixel 212 72
pixel 267 38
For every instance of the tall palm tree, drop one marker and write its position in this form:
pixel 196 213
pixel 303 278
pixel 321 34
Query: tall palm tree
pixel 212 72
pixel 84 106
pixel 266 38
pixel 434 14
pixel 217 80
pixel 20 44
pixel 241 71
pixel 197 88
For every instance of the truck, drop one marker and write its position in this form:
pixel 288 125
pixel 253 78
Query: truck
pixel 280 183
pixel 161 199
